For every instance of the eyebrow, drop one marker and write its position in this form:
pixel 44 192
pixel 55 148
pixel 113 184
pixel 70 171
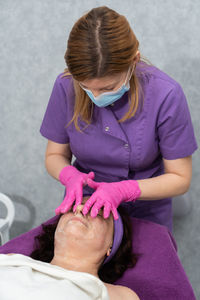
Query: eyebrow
pixel 101 210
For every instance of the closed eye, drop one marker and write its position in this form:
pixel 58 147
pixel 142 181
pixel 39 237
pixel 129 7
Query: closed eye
pixel 108 89
pixel 100 214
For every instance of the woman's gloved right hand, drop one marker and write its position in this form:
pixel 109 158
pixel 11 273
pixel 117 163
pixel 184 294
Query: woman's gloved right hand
pixel 74 181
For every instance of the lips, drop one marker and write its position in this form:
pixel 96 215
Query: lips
pixel 78 219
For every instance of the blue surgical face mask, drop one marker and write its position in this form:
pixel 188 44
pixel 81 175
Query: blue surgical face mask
pixel 108 98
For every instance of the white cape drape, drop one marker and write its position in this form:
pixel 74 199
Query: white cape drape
pixel 22 277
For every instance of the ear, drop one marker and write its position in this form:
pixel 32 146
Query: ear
pixel 108 251
pixel 137 57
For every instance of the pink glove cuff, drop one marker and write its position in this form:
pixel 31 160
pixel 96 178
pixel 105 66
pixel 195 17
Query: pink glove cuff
pixel 133 191
pixel 66 173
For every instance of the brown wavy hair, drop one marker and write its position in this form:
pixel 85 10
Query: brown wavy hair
pixel 124 257
pixel 101 43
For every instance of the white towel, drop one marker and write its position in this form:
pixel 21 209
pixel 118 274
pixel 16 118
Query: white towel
pixel 23 278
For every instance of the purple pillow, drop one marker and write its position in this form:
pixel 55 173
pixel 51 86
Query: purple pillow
pixel 158 274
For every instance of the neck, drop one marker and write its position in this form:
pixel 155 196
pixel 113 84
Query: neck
pixel 80 264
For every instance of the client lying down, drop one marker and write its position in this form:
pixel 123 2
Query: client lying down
pixel 77 257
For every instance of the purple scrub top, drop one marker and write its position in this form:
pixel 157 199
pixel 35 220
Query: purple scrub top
pixel 161 128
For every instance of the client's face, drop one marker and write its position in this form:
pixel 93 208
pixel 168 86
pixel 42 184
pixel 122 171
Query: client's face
pixel 87 233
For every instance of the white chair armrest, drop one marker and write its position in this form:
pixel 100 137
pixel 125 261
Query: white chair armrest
pixel 10 208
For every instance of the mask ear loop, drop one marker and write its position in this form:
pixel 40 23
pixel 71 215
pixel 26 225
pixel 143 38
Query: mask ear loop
pixel 134 63
pixel 131 73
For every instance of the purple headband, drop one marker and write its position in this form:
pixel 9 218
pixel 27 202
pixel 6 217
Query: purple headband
pixel 118 235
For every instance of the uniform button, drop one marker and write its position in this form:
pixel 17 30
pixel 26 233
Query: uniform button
pixel 107 128
pixel 125 145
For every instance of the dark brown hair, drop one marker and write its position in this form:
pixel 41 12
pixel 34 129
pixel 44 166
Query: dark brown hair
pixel 110 272
pixel 101 43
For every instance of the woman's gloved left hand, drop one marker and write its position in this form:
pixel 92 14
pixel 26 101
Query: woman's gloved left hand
pixel 110 195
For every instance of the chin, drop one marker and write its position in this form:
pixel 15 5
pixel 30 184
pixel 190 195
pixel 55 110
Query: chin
pixel 76 228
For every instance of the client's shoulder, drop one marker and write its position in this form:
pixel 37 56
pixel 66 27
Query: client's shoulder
pixel 119 292
pixel 126 293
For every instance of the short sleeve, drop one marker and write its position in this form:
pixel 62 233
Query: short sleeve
pixel 175 130
pixel 55 119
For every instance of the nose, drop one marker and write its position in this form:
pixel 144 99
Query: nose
pixel 95 93
pixel 79 209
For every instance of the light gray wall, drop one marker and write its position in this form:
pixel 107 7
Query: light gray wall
pixel 33 37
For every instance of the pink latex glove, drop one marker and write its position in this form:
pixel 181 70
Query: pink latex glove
pixel 110 195
pixel 74 181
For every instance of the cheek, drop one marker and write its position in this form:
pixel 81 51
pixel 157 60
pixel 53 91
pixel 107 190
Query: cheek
pixel 61 230
pixel 102 231
pixel 59 240
pixel 63 220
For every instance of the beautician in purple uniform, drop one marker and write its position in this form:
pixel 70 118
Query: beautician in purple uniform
pixel 126 122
